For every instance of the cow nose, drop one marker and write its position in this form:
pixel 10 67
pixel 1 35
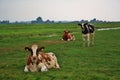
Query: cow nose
pixel 34 58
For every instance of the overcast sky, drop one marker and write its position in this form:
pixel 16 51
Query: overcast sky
pixel 27 10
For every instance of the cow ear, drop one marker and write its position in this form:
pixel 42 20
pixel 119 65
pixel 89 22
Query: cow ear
pixel 41 48
pixel 79 24
pixel 27 48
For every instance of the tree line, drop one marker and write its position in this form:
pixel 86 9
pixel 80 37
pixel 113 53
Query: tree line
pixel 40 20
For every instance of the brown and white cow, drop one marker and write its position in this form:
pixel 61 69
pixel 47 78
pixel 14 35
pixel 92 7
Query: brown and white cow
pixel 67 36
pixel 40 61
pixel 87 33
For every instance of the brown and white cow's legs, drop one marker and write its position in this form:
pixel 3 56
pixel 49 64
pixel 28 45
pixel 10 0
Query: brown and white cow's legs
pixel 73 38
pixel 42 67
pixel 26 69
pixel 31 67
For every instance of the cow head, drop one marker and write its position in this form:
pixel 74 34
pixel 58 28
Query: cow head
pixel 66 31
pixel 34 50
pixel 65 35
pixel 83 26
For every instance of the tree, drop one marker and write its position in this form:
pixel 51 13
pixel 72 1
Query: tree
pixel 93 20
pixel 5 22
pixel 39 20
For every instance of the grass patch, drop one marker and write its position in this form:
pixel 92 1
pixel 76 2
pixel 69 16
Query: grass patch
pixel 98 62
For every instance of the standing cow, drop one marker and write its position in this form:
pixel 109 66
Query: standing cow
pixel 67 36
pixel 40 61
pixel 87 33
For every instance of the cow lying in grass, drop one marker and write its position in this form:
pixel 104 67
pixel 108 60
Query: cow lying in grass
pixel 87 33
pixel 67 36
pixel 40 61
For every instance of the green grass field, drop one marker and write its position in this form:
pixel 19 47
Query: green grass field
pixel 98 62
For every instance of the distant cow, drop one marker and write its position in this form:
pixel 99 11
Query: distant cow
pixel 39 61
pixel 67 36
pixel 87 33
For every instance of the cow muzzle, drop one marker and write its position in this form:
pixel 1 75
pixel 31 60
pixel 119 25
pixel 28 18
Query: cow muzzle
pixel 34 59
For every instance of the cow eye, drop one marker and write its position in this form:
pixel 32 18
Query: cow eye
pixel 37 51
pixel 31 52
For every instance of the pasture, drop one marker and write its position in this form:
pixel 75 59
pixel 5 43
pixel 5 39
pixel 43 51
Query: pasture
pixel 98 62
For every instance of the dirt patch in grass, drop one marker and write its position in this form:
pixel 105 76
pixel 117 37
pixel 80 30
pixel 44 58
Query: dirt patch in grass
pixel 52 42
pixel 6 49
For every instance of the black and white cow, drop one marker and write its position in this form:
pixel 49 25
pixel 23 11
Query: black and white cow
pixel 87 33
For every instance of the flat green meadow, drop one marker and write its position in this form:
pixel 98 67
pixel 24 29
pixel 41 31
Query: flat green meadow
pixel 98 62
